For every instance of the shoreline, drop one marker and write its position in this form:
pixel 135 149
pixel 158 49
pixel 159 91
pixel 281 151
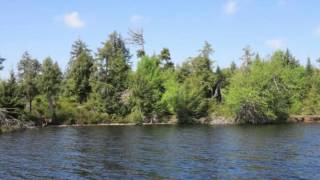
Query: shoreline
pixel 213 122
pixel 113 124
pixel 217 121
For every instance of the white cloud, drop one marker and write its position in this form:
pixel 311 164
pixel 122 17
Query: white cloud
pixel 73 20
pixel 136 18
pixel 317 31
pixel 230 7
pixel 275 43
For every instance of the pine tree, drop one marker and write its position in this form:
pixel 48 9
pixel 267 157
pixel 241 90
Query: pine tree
pixel 207 50
pixel 146 88
pixel 113 73
pixel 79 72
pixel 50 79
pixel 10 97
pixel 165 57
pixel 78 47
pixel 309 67
pixel 202 69
pixel 28 72
pixel 257 58
pixel 289 60
pixel 233 66
pixel 311 103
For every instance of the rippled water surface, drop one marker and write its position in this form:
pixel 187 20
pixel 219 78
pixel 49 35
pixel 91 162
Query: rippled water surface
pixel 163 152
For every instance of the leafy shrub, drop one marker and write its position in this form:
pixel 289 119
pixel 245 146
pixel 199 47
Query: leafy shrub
pixel 136 116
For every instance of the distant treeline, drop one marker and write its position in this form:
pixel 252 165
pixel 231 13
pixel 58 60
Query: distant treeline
pixel 101 87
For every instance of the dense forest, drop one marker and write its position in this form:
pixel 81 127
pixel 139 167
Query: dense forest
pixel 101 87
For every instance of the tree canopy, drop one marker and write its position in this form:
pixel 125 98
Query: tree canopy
pixel 103 87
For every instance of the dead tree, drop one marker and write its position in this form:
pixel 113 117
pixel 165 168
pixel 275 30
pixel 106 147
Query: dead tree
pixel 136 38
pixel 216 93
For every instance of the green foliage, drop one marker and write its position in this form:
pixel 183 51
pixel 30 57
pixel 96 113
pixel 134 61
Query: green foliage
pixel 50 80
pixel 191 101
pixel 50 77
pixel 147 88
pixel 78 47
pixel 200 67
pixel 140 53
pixel 104 89
pixel 41 109
pixel 111 78
pixel 309 68
pixel 165 58
pixel 311 104
pixel 172 88
pixel 79 72
pixel 289 59
pixel 29 69
pixel 233 66
pixel 70 112
pixel 10 96
pixel 266 92
pixel 136 116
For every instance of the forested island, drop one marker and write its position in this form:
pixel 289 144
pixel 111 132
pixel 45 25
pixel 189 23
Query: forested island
pixel 101 87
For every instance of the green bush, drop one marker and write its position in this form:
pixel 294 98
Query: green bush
pixel 268 91
pixel 136 116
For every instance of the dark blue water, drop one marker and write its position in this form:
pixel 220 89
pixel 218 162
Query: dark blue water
pixel 163 152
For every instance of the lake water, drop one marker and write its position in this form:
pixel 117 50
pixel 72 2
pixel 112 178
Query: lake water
pixel 289 151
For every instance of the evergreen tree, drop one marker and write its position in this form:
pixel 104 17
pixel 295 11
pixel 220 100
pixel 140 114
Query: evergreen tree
pixel 257 58
pixel 77 48
pixel 311 103
pixel 50 80
pixel 290 60
pixel 309 67
pixel 218 71
pixel 140 53
pixel 113 73
pixel 191 102
pixel 165 57
pixel 79 72
pixel 207 50
pixel 28 72
pixel 147 89
pixel 233 66
pixel 202 69
pixel 114 62
pixel 10 97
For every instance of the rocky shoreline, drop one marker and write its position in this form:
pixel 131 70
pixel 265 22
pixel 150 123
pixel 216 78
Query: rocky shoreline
pixel 9 123
pixel 216 120
pixel 303 119
pixel 213 120
pixel 15 126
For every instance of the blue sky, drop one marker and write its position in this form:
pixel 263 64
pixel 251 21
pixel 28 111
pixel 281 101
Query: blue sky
pixel 48 28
